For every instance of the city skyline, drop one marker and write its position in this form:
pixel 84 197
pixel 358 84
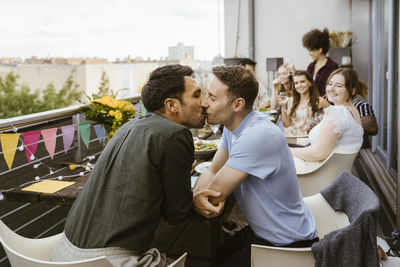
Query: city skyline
pixel 111 30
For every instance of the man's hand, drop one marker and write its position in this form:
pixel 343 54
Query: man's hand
pixel 203 206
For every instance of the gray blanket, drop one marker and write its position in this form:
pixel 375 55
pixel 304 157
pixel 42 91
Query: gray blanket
pixel 355 244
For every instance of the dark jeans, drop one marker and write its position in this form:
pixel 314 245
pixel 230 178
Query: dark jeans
pixel 236 250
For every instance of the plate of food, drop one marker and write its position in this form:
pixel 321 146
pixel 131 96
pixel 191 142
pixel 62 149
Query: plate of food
pixel 203 148
pixel 268 111
pixel 202 167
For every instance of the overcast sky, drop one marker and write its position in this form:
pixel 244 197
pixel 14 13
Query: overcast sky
pixel 108 28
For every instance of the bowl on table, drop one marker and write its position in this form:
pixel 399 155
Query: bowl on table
pixel 204 148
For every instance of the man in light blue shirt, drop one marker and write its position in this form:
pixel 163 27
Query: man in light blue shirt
pixel 255 163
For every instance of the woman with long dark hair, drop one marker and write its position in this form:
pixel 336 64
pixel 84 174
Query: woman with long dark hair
pixel 304 109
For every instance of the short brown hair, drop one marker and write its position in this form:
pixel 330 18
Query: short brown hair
pixel 240 81
pixel 316 39
pixel 351 82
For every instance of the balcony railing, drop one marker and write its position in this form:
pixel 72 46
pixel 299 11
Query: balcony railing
pixel 40 220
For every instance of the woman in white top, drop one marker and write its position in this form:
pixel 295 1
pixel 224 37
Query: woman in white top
pixel 340 129
pixel 304 109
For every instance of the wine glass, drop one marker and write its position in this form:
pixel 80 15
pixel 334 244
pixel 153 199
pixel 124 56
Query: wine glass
pixel 214 128
pixel 284 97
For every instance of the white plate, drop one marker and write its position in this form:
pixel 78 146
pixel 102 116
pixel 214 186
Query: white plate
pixel 206 152
pixel 202 167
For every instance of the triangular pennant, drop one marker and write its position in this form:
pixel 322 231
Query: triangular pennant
pixel 100 132
pixel 31 140
pixel 49 137
pixel 143 110
pixel 68 133
pixel 84 129
pixel 9 144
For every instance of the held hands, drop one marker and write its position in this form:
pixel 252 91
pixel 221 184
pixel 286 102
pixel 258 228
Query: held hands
pixel 203 206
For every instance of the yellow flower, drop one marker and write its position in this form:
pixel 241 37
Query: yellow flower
pixel 128 107
pixel 112 113
pixel 118 115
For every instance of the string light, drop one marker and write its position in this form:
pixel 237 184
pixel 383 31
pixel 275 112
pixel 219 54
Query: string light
pixel 21 147
pixel 81 174
pixel 32 157
pixel 35 166
pixel 37 178
pixel 51 172
pixel 1 197
pixel 60 178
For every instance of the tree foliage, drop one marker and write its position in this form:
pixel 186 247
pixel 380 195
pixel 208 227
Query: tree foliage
pixel 17 100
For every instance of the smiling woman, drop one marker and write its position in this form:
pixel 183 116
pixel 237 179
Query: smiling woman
pixel 340 129
pixel 304 109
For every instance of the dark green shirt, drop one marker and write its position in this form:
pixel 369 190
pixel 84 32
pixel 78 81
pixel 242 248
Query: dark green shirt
pixel 143 174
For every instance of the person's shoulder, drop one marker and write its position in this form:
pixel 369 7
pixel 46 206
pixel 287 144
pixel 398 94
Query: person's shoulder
pixel 332 64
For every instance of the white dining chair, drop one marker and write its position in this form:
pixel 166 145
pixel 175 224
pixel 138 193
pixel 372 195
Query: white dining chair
pixel 312 182
pixel 327 220
pixel 297 140
pixel 27 252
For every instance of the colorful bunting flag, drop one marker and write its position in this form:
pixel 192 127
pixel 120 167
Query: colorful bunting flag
pixel 49 138
pixel 100 132
pixel 68 133
pixel 31 140
pixel 84 129
pixel 9 144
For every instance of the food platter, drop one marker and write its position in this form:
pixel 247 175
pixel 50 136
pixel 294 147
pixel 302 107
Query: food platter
pixel 204 148
pixel 202 167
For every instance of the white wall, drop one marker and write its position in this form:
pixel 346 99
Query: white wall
pixel 280 26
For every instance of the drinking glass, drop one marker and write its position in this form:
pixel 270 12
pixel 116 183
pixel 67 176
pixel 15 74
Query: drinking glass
pixel 214 128
pixel 284 97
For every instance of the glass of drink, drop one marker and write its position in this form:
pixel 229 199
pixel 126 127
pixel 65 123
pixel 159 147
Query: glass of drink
pixel 284 97
pixel 214 128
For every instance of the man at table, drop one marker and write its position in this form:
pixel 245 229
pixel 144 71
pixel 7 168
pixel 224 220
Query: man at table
pixel 253 162
pixel 142 175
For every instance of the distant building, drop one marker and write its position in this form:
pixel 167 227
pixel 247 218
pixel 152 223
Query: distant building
pixel 180 52
pixel 128 74
pixel 66 61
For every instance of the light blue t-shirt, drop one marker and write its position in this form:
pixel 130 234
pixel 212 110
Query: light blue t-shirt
pixel 270 197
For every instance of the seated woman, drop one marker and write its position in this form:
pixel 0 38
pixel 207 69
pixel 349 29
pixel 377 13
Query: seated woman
pixel 284 83
pixel 340 129
pixel 304 109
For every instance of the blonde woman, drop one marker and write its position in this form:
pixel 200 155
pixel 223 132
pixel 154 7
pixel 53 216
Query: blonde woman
pixel 284 83
pixel 304 109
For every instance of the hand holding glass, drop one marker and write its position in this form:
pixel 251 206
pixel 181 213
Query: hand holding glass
pixel 283 98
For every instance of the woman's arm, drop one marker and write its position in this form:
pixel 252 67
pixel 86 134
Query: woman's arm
pixel 369 125
pixel 274 95
pixel 285 111
pixel 327 139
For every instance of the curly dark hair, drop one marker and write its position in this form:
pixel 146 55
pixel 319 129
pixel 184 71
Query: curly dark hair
pixel 312 91
pixel 247 61
pixel 240 81
pixel 316 39
pixel 165 82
